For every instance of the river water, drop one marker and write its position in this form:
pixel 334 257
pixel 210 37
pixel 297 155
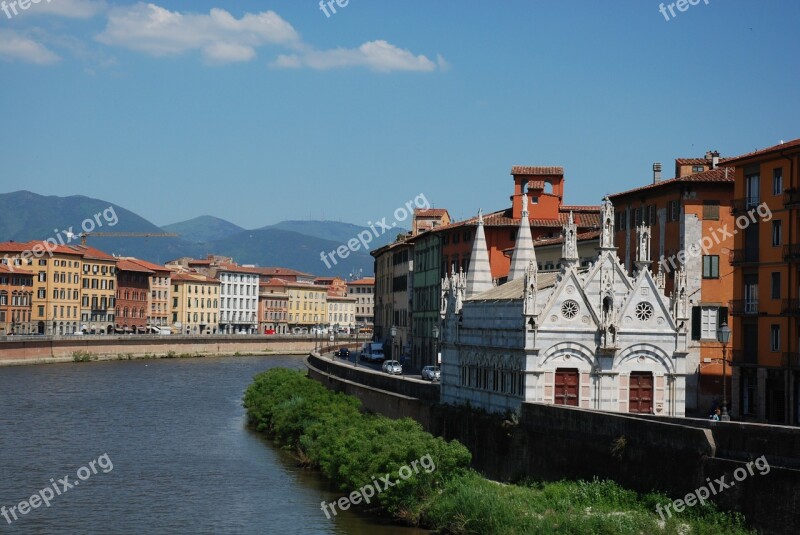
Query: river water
pixel 171 451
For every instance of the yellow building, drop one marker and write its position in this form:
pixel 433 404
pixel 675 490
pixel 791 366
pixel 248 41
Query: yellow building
pixel 195 303
pixel 307 305
pixel 341 310
pixel 56 283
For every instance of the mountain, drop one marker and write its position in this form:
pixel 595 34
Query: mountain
pixel 337 231
pixel 28 216
pixel 202 229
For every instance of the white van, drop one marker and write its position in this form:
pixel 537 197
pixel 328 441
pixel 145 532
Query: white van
pixel 372 352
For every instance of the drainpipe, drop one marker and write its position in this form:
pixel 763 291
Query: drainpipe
pixel 791 324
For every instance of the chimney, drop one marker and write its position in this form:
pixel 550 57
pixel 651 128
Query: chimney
pixel 714 160
pixel 656 172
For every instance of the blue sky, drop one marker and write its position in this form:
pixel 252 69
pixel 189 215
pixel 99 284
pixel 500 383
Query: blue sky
pixel 269 111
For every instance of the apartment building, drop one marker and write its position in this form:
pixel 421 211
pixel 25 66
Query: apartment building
pixel 195 303
pixel 394 269
pixel 158 302
pixel 98 290
pixel 686 216
pixel 273 307
pixel 307 306
pixel 341 310
pixel 16 301
pixel 766 301
pixel 133 290
pixel 363 290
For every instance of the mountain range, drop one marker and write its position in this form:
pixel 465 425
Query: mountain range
pixel 292 244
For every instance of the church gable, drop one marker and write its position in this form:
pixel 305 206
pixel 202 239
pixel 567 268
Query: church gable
pixel 567 306
pixel 606 277
pixel 645 307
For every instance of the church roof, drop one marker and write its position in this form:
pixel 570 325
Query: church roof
pixel 516 288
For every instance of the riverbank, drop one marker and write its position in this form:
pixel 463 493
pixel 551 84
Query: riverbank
pixel 46 350
pixel 328 432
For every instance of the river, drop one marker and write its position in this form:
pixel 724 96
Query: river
pixel 161 446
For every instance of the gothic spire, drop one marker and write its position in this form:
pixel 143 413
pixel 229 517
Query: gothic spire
pixel 479 274
pixel 524 253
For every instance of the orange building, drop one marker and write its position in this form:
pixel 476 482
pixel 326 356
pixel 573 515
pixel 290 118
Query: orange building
pixel 687 215
pixel 16 299
pixel 273 307
pixel 428 218
pixel 766 366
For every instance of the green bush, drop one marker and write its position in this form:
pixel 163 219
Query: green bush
pixel 329 432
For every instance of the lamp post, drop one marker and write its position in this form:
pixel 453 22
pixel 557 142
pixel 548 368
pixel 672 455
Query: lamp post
pixel 723 336
pixel 394 333
pixel 435 333
pixel 355 358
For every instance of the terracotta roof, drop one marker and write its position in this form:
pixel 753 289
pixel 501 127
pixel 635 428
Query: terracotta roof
pixel 720 175
pixel 149 265
pixel 584 236
pixel 503 218
pixel 536 170
pixel 193 277
pixel 366 281
pixel 238 269
pixel 775 148
pixel 275 282
pixel 697 161
pixel 127 265
pixel 536 184
pixel 20 247
pixel 580 208
pixel 90 252
pixel 430 212
pixel 276 271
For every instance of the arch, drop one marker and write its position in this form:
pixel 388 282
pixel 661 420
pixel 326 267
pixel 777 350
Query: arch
pixel 651 352
pixel 556 353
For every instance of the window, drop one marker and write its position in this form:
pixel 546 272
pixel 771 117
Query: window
pixel 711 210
pixel 776 233
pixel 708 323
pixel 776 285
pixel 711 266
pixel 698 168
pixel 753 183
pixel 674 210
pixel 777 181
pixel 775 337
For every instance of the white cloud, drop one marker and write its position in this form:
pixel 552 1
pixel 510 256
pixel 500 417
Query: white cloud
pixel 375 55
pixel 74 9
pixel 15 46
pixel 219 35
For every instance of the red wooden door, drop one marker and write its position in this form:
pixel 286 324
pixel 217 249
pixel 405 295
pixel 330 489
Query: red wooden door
pixel 567 382
pixel 641 393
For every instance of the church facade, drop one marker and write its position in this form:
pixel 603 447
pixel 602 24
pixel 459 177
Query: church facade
pixel 597 337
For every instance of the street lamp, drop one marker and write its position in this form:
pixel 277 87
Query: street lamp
pixel 355 358
pixel 435 333
pixel 393 332
pixel 723 336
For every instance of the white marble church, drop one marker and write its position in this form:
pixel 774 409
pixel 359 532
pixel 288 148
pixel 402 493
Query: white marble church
pixel 594 337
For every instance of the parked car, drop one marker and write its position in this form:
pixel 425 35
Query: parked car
pixel 343 353
pixel 392 367
pixel 431 373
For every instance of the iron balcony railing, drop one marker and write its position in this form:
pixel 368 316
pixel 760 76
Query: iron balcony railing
pixel 745 204
pixel 748 255
pixel 790 307
pixel 744 307
pixel 791 197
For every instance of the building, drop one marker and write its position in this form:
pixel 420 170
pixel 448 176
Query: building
pixel 766 257
pixel 195 303
pixel 428 218
pixel 238 299
pixel 687 215
pixel 594 337
pixel 363 290
pixel 394 270
pixel 336 285
pixel 158 303
pixel 133 290
pixel 341 310
pixel 289 275
pixel 56 283
pixel 16 300
pixel 538 192
pixel 98 290
pixel 273 307
pixel 307 306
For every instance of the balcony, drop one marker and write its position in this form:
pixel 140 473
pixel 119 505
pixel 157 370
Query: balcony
pixel 739 206
pixel 790 307
pixel 747 255
pixel 791 198
pixel 744 307
pixel 743 357
pixel 791 252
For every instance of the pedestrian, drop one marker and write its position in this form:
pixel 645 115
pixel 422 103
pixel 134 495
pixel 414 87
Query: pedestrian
pixel 715 416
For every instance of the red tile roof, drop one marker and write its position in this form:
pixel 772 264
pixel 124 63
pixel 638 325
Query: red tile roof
pixel 193 277
pixel 366 281
pixel 149 265
pixel 763 152
pixel 430 212
pixel 722 175
pixel 276 271
pixel 697 161
pixel 127 265
pixel 536 170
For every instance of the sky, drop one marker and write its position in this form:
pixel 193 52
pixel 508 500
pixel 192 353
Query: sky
pixel 263 111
